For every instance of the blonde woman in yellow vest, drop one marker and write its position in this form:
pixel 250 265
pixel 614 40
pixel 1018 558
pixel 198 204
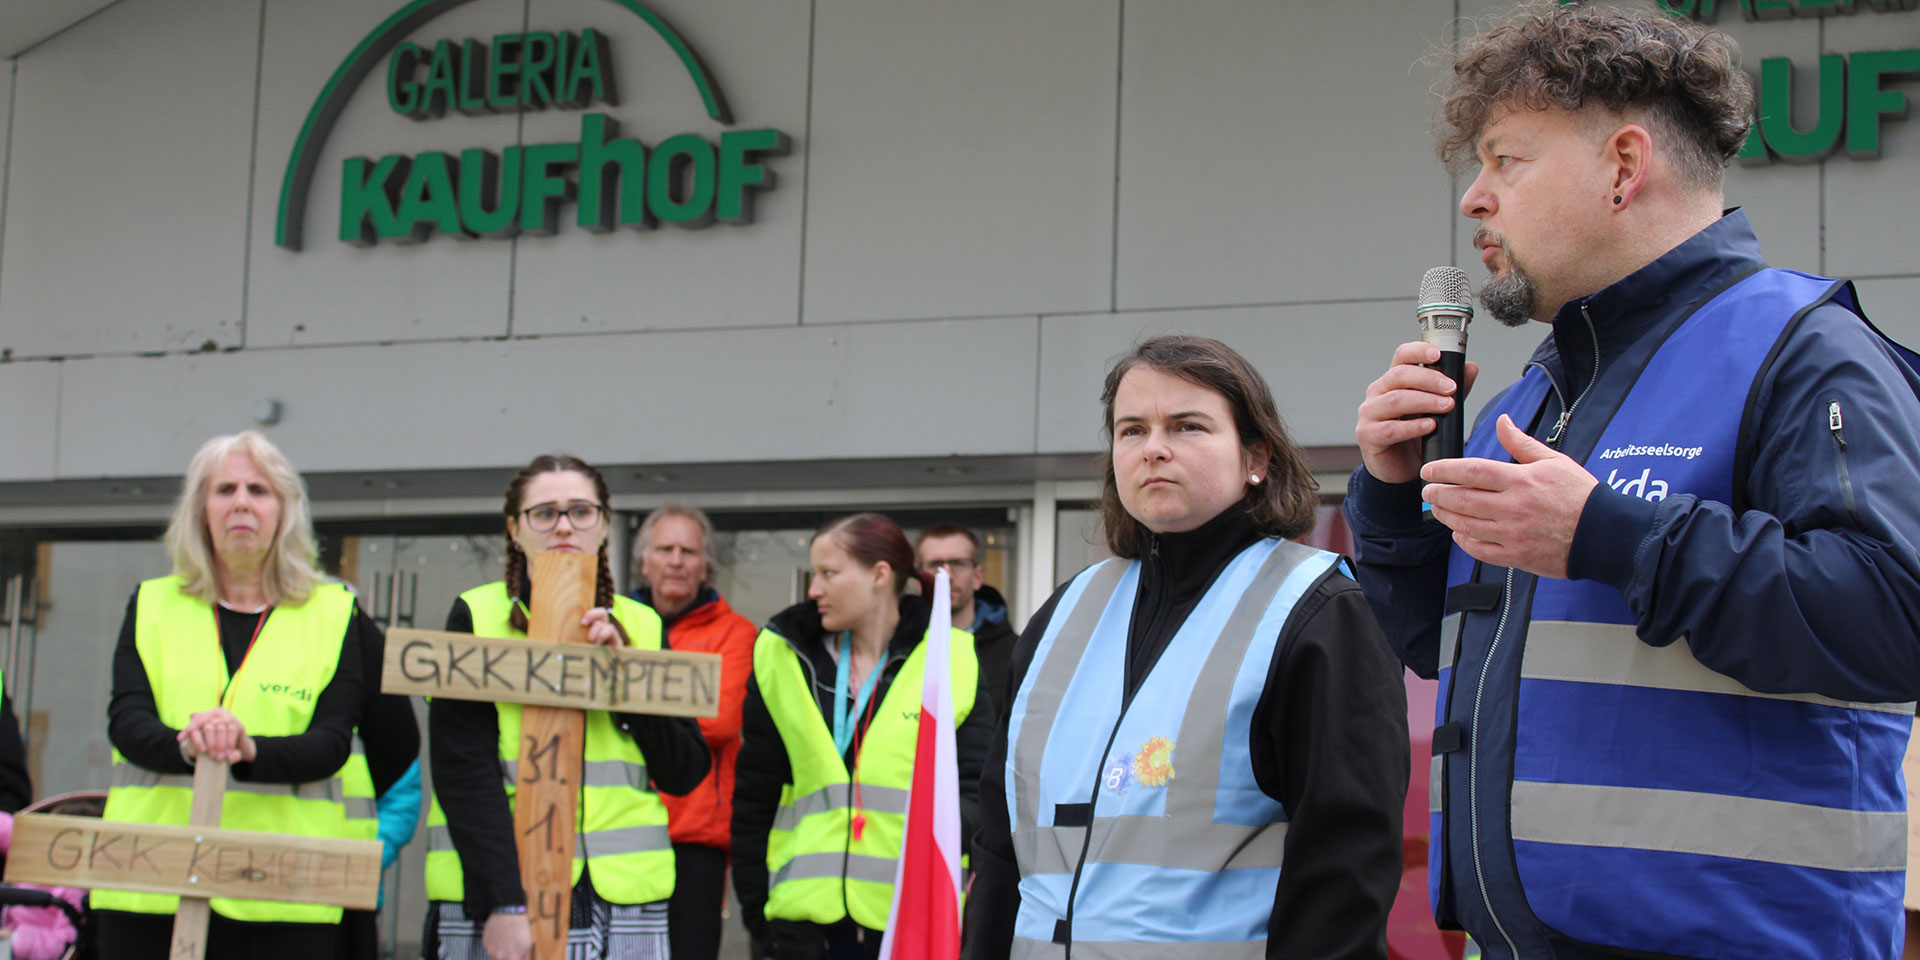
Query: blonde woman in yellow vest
pixel 829 724
pixel 242 654
pixel 623 866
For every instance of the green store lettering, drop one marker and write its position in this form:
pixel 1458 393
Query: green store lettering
pixel 686 180
pixel 612 181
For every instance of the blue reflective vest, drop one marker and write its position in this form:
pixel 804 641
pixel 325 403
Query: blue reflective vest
pixel 1155 857
pixel 1617 792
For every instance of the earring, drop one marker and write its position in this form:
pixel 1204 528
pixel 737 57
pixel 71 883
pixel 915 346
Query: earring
pixel 1616 199
pixel 1253 478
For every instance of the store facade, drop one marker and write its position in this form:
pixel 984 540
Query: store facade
pixel 780 259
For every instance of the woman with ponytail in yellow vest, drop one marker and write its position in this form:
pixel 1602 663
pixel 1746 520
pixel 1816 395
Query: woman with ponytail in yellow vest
pixel 245 655
pixel 623 865
pixel 830 722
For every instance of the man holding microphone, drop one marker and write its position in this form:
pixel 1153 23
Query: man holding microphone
pixel 1670 590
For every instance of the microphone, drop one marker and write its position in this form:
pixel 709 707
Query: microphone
pixel 1446 304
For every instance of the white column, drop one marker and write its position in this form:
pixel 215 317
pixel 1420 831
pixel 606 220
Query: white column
pixel 1039 538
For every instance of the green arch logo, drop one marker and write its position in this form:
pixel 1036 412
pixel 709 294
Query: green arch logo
pixel 373 50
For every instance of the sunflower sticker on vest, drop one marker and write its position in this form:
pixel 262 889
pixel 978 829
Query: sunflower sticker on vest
pixel 1149 766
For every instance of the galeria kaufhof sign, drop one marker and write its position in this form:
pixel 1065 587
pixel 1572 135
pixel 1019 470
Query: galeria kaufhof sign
pixel 602 179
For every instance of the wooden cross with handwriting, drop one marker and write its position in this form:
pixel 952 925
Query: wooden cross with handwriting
pixel 554 688
pixel 195 862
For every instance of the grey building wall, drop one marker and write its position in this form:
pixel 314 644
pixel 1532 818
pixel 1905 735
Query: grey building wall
pixel 985 203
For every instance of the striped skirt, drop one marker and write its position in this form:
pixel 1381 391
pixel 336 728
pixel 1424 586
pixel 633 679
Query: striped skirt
pixel 598 930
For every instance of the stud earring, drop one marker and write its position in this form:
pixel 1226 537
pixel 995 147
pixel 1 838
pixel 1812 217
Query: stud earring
pixel 1253 478
pixel 1616 199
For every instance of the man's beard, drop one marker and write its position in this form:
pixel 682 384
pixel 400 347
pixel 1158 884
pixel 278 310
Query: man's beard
pixel 1509 297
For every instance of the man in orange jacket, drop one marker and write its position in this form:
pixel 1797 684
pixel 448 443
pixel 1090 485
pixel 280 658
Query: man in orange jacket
pixel 674 556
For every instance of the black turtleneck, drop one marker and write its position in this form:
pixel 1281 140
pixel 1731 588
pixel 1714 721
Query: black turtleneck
pixel 1328 741
pixel 1175 571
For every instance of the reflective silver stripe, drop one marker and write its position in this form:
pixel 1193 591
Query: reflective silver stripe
pixel 1050 685
pixel 362 808
pixel 608 843
pixel 593 773
pixel 785 818
pixel 1711 824
pixel 1154 841
pixel 1449 638
pixel 613 773
pixel 126 774
pixel 1435 784
pixel 1099 950
pixel 1203 730
pixel 813 866
pixel 439 838
pixel 1612 653
pixel 835 796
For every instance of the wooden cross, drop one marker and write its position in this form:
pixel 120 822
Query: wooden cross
pixel 554 689
pixel 195 862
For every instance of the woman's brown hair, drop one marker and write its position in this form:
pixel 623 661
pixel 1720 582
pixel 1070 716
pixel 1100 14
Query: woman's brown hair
pixel 519 585
pixel 1282 504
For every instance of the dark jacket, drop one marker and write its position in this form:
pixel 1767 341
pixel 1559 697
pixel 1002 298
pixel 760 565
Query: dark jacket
pixel 1329 742
pixel 1811 585
pixel 764 767
pixel 993 641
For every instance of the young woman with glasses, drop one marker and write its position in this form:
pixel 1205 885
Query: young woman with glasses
pixel 623 855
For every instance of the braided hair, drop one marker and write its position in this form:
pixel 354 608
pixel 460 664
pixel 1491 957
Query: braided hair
pixel 519 581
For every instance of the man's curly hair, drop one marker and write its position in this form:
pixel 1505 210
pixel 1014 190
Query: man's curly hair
pixel 1680 79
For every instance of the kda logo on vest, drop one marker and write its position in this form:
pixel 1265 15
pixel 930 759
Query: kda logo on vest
pixel 1645 486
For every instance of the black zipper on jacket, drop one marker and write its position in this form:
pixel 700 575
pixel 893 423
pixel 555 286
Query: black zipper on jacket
pixel 1553 439
pixel 1840 452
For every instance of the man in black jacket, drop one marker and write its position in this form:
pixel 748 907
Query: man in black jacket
pixel 977 608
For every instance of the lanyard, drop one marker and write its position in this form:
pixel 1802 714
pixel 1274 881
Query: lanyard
pixel 842 728
pixel 258 626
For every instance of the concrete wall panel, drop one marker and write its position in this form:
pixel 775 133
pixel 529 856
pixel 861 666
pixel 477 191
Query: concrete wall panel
pixel 29 433
pixel 1278 152
pixel 128 181
pixel 331 292
pixel 1871 205
pixel 1317 358
pixel 961 161
pixel 792 393
pixel 721 275
pixel 1894 306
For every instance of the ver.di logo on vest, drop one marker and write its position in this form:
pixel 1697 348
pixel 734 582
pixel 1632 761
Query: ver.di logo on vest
pixel 303 694
pixel 689 179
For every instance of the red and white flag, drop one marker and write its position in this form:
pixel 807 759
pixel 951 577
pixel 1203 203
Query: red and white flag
pixel 924 923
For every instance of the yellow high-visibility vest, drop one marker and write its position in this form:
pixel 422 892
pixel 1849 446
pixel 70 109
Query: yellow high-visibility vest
pixel 818 870
pixel 272 695
pixel 620 823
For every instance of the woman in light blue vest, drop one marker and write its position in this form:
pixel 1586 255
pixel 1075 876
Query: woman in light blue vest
pixel 1206 742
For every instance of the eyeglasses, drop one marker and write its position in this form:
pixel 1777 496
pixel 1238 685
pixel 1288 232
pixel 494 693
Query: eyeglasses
pixel 956 565
pixel 543 517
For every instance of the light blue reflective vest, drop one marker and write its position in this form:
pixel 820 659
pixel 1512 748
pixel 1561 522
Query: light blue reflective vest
pixel 1618 790
pixel 1155 857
